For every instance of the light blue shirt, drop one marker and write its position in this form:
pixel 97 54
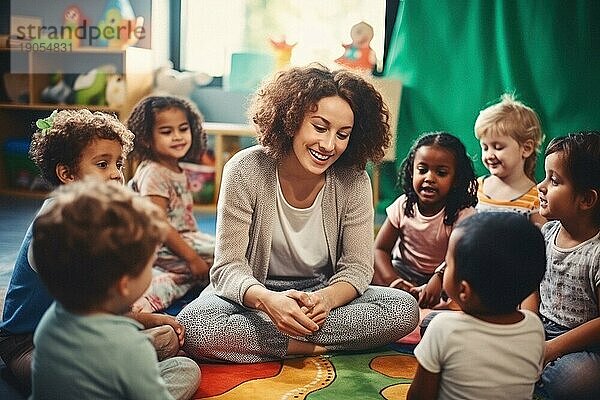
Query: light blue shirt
pixel 100 356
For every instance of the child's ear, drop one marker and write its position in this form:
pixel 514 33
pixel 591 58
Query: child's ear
pixel 589 199
pixel 122 286
pixel 528 147
pixel 465 293
pixel 64 173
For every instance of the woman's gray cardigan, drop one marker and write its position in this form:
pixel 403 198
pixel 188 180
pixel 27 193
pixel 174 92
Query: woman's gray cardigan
pixel 245 217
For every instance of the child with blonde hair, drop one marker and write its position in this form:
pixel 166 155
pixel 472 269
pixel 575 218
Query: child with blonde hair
pixel 168 131
pixel 68 146
pixel 568 300
pixel 510 136
pixel 94 246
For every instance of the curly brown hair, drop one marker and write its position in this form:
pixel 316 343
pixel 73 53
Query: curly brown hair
pixel 141 122
pixel 90 236
pixel 278 109
pixel 71 132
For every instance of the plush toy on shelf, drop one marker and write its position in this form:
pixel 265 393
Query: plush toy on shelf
pixel 116 91
pixel 359 54
pixel 90 88
pixel 168 81
pixel 58 91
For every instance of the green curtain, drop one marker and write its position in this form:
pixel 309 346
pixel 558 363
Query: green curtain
pixel 455 57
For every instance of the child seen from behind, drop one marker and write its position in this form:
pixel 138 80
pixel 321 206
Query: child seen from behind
pixel 489 350
pixel 510 136
pixel 568 300
pixel 440 189
pixel 94 247
pixel 168 130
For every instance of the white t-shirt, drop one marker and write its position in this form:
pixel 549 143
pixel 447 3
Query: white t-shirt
pixel 481 360
pixel 298 246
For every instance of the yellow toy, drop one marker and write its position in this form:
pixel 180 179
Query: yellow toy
pixel 283 53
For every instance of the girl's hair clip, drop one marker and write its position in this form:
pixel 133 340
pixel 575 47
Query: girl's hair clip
pixel 45 124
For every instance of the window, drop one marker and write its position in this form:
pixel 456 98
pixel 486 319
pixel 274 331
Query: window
pixel 212 30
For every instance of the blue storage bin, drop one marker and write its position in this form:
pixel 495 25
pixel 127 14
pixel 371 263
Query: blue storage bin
pixel 21 172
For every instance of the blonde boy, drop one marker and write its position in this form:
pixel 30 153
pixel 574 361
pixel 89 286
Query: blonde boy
pixel 510 136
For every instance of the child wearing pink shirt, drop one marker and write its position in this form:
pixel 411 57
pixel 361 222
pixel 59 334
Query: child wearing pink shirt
pixel 440 189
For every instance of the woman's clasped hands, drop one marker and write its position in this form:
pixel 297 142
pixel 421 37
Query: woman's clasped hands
pixel 296 313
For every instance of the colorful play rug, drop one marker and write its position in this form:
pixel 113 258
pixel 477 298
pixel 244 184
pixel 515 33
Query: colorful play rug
pixel 386 374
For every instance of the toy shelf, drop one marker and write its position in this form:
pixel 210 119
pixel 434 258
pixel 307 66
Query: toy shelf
pixel 25 74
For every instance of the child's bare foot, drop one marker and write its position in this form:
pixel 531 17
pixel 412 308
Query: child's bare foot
pixel 165 341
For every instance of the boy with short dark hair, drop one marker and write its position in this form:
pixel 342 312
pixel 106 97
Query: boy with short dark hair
pixel 490 349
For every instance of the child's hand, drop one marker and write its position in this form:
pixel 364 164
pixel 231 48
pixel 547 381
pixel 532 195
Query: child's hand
pixel 416 291
pixel 198 267
pixel 431 293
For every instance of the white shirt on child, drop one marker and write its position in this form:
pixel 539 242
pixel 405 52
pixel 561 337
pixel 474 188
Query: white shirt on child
pixel 423 241
pixel 482 360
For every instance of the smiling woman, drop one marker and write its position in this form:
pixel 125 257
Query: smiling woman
pixel 295 229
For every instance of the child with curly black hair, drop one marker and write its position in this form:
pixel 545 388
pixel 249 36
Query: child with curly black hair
pixel 68 146
pixel 294 255
pixel 440 189
pixel 168 130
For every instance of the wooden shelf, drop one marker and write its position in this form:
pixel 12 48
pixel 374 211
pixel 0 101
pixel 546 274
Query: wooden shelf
pixel 25 193
pixel 223 132
pixel 17 119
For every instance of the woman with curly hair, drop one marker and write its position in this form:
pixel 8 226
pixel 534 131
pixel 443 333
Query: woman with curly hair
pixel 294 249
pixel 168 130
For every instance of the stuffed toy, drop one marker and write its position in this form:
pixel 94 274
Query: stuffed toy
pixel 359 54
pixel 116 91
pixel 73 18
pixel 120 24
pixel 90 88
pixel 57 92
pixel 283 52
pixel 168 81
